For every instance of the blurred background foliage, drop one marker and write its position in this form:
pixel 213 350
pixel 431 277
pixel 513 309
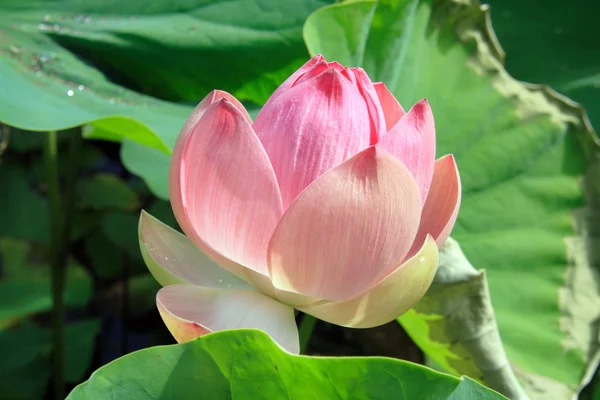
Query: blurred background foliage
pixel 130 72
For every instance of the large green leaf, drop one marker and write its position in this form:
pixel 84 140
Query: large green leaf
pixel 522 152
pixel 247 364
pixel 559 46
pixel 64 60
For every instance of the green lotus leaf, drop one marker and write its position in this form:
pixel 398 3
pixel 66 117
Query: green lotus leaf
pixel 247 364
pixel 527 158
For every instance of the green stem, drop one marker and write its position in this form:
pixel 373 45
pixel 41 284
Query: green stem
pixel 52 187
pixel 75 140
pixel 307 325
pixel 59 242
pixel 125 305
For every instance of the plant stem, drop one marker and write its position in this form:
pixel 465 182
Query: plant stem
pixel 307 325
pixel 52 188
pixel 75 140
pixel 125 306
pixel 59 242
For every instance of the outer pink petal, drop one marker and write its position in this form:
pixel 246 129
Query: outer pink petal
pixel 412 140
pixel 346 229
pixel 214 96
pixel 311 128
pixel 190 311
pixel 198 112
pixel 369 93
pixel 392 110
pixel 442 205
pixel 172 258
pixel 389 298
pixel 230 201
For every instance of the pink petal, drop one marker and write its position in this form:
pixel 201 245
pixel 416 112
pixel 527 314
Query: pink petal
pixel 412 140
pixel 347 72
pixel 311 128
pixel 363 83
pixel 442 205
pixel 392 110
pixel 336 65
pixel 174 178
pixel 389 298
pixel 190 311
pixel 198 112
pixel 230 201
pixel 264 285
pixel 214 96
pixel 347 228
pixel 318 69
pixel 182 330
pixel 291 80
pixel 367 90
pixel 172 258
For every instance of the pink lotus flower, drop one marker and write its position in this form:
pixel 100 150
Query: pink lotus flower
pixel 331 202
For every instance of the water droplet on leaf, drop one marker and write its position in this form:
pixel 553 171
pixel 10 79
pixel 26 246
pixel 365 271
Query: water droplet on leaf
pixel 70 93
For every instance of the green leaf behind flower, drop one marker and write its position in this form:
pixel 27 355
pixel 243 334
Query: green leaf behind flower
pixel 66 62
pixel 526 158
pixel 560 49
